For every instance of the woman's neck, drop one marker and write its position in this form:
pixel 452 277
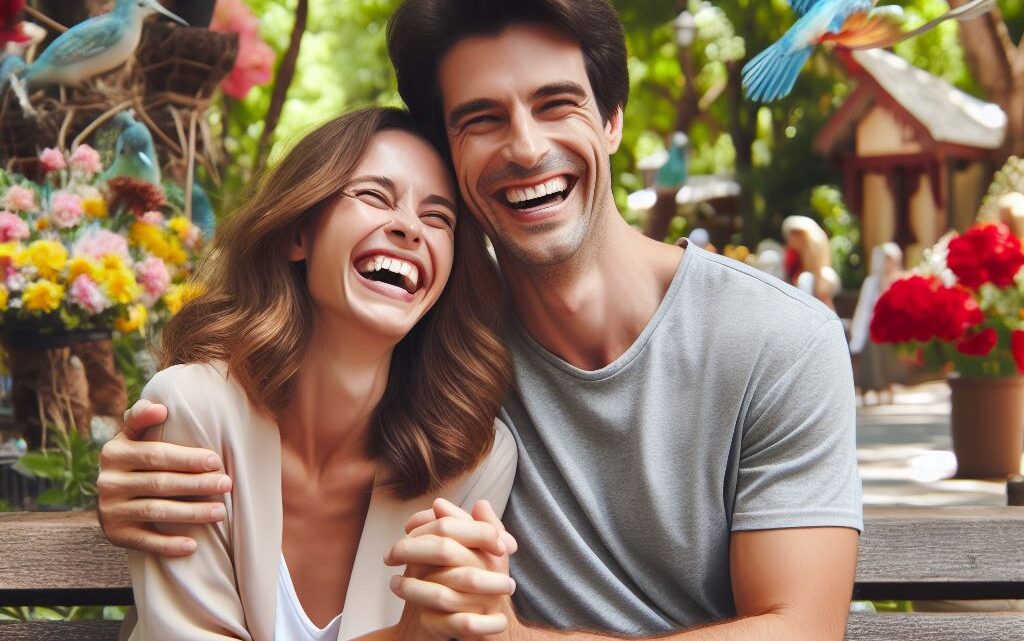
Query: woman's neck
pixel 337 390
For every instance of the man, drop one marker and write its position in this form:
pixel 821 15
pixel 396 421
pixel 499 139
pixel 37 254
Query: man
pixel 685 423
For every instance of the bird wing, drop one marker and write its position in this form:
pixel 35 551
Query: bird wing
pixel 84 41
pixel 862 30
pixel 800 7
pixel 771 74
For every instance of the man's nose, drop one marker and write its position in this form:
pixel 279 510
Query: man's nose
pixel 526 145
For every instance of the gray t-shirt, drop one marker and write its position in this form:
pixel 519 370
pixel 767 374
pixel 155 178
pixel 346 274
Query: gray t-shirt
pixel 733 410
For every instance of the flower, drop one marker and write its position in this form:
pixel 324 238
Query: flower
pixel 255 61
pixel 1017 348
pixel 47 256
pixel 152 218
pixel 986 253
pixel 98 243
pixel 66 209
pixel 42 296
pixel 12 227
pixel 137 196
pixel 978 344
pixel 95 207
pixel 4 297
pixel 20 199
pixel 120 285
pixel 86 294
pixel 921 308
pixel 52 160
pixel 12 28
pixel 136 320
pixel 86 160
pixel 152 274
pixel 179 295
pixel 80 265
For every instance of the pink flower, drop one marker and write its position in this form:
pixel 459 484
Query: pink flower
pixel 66 209
pixel 99 243
pixel 255 62
pixel 154 218
pixel 20 199
pixel 85 293
pixel 86 160
pixel 153 276
pixel 12 228
pixel 52 160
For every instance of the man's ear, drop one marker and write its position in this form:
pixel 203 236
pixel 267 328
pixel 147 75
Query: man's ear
pixel 613 129
pixel 298 248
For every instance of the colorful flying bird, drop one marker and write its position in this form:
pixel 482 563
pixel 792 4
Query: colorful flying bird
pixel 852 24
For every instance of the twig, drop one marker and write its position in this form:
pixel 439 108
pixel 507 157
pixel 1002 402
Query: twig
pixel 38 15
pixel 190 175
pixel 96 124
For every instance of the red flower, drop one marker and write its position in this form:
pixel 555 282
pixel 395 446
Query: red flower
pixel 1017 347
pixel 978 344
pixel 986 253
pixel 920 308
pixel 11 27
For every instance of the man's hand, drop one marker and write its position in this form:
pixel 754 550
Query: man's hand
pixel 457 574
pixel 140 480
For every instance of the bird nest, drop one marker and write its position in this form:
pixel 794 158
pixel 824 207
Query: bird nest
pixel 169 84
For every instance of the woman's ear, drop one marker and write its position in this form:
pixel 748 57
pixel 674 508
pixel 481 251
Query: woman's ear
pixel 298 248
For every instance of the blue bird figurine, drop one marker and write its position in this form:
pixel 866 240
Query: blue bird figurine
pixel 202 211
pixel 853 24
pixel 134 153
pixel 11 64
pixel 94 46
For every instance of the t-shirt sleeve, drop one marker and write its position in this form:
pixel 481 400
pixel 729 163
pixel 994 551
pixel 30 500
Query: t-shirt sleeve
pixel 192 597
pixel 798 460
pixel 492 480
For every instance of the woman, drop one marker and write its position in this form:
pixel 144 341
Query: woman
pixel 876 366
pixel 343 384
pixel 809 259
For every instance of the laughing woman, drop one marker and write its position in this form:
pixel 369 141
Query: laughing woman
pixel 345 364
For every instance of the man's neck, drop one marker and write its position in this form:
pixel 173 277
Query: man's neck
pixel 589 311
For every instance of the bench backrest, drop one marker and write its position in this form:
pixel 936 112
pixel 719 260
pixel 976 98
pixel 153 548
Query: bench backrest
pixel 905 553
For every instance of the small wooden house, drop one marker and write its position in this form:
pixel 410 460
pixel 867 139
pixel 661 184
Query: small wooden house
pixel 916 153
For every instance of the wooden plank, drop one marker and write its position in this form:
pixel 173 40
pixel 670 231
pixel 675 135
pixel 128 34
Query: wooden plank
pixel 60 631
pixel 943 544
pixel 58 549
pixel 974 626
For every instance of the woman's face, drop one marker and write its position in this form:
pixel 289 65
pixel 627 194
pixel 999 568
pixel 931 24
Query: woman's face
pixel 381 254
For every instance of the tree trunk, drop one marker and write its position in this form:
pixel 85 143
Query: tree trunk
pixel 742 127
pixel 998 64
pixel 282 81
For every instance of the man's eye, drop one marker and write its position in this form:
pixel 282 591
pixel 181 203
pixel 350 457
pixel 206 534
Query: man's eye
pixel 483 119
pixel 558 104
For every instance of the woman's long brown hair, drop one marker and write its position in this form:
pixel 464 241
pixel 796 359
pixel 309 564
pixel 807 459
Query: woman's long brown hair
pixel 447 375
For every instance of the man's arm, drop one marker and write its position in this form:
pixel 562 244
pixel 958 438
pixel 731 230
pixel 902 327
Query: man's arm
pixel 143 482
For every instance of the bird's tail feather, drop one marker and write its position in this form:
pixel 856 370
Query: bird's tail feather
pixel 771 74
pixel 968 11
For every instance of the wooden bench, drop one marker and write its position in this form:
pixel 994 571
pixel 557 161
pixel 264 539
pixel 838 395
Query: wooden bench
pixel 905 553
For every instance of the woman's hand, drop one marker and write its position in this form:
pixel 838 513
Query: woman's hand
pixel 456 582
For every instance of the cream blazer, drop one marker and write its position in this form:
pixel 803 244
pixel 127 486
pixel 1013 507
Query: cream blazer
pixel 227 589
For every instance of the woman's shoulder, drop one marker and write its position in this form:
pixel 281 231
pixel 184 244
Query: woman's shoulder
pixel 492 479
pixel 203 403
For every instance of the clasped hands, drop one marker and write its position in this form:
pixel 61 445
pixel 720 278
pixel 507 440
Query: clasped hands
pixel 456 584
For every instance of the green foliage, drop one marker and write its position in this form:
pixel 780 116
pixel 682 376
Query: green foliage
pixel 844 234
pixel 73 467
pixel 77 613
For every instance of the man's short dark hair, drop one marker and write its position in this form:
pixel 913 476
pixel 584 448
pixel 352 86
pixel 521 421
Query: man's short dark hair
pixel 421 32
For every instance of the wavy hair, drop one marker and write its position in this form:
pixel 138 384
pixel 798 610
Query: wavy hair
pixel 447 375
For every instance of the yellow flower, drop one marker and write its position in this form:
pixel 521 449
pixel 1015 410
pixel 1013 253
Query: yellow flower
pixel 47 256
pixel 10 253
pixel 82 265
pixel 181 226
pixel 136 320
pixel 178 295
pixel 112 263
pixel 145 235
pixel 95 207
pixel 43 224
pixel 3 298
pixel 42 296
pixel 120 285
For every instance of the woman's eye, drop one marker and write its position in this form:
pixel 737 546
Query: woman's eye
pixel 436 219
pixel 372 197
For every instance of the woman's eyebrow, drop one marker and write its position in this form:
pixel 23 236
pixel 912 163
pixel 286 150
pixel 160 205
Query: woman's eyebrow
pixel 435 199
pixel 383 181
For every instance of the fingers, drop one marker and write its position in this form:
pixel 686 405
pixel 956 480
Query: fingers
pixel 142 416
pixel 124 454
pixel 435 596
pixel 464 625
pixel 115 483
pixel 444 507
pixel 432 550
pixel 474 581
pixel 420 518
pixel 139 511
pixel 137 538
pixel 483 511
pixel 476 535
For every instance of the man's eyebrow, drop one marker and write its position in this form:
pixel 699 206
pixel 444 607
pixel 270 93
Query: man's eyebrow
pixel 435 199
pixel 383 181
pixel 466 108
pixel 560 88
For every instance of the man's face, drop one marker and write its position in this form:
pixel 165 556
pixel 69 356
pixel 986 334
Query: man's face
pixel 528 143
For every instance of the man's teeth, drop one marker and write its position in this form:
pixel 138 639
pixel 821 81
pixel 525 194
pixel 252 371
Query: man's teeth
pixel 517 195
pixel 409 272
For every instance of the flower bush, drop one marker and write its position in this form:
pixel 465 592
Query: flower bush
pixel 963 306
pixel 81 253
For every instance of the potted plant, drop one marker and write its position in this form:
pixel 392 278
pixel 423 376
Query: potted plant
pixel 962 308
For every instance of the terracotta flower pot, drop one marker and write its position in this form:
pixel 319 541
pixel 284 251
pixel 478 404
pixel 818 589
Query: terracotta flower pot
pixel 988 426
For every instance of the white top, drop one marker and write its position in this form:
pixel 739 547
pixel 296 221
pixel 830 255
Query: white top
pixel 292 623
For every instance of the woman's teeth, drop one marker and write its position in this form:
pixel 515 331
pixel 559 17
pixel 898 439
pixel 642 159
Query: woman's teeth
pixel 392 271
pixel 518 195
